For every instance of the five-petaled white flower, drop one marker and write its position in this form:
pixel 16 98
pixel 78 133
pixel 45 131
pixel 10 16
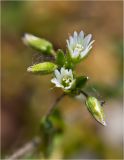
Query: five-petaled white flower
pixel 79 45
pixel 64 79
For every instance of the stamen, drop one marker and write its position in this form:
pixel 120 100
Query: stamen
pixel 79 47
pixel 66 81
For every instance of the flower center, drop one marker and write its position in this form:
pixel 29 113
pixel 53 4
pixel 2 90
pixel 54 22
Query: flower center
pixel 79 48
pixel 66 81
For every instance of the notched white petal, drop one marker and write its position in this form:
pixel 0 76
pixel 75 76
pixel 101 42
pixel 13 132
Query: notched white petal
pixel 87 40
pixel 91 42
pixel 75 37
pixel 70 72
pixel 63 71
pixel 81 35
pixel 57 74
pixel 75 34
pixel 84 53
pixel 56 82
pixel 71 41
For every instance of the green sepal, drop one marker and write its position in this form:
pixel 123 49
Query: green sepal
pixel 81 81
pixel 42 68
pixel 60 58
pixel 72 59
pixel 37 43
pixel 96 110
pixel 68 62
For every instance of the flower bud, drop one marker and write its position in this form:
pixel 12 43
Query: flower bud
pixel 95 109
pixel 42 68
pixel 37 43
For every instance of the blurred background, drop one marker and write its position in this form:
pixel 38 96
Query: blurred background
pixel 26 98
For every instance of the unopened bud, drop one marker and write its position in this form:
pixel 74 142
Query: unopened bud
pixel 42 68
pixel 37 43
pixel 96 109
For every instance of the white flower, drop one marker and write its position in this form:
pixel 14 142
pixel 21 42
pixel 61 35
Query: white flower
pixel 79 45
pixel 64 79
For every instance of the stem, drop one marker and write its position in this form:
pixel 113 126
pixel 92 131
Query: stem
pixel 84 93
pixel 54 105
pixel 53 53
pixel 30 147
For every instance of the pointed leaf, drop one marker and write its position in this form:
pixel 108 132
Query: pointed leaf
pixel 60 58
pixel 69 63
pixel 81 81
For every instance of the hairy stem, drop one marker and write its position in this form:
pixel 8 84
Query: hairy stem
pixel 32 145
pixel 28 148
pixel 53 53
pixel 54 105
pixel 84 93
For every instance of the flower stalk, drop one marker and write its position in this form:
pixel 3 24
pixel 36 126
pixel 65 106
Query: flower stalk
pixel 50 111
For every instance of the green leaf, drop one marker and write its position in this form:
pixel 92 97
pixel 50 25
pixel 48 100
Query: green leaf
pixel 81 81
pixel 37 43
pixel 60 58
pixel 96 110
pixel 42 68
